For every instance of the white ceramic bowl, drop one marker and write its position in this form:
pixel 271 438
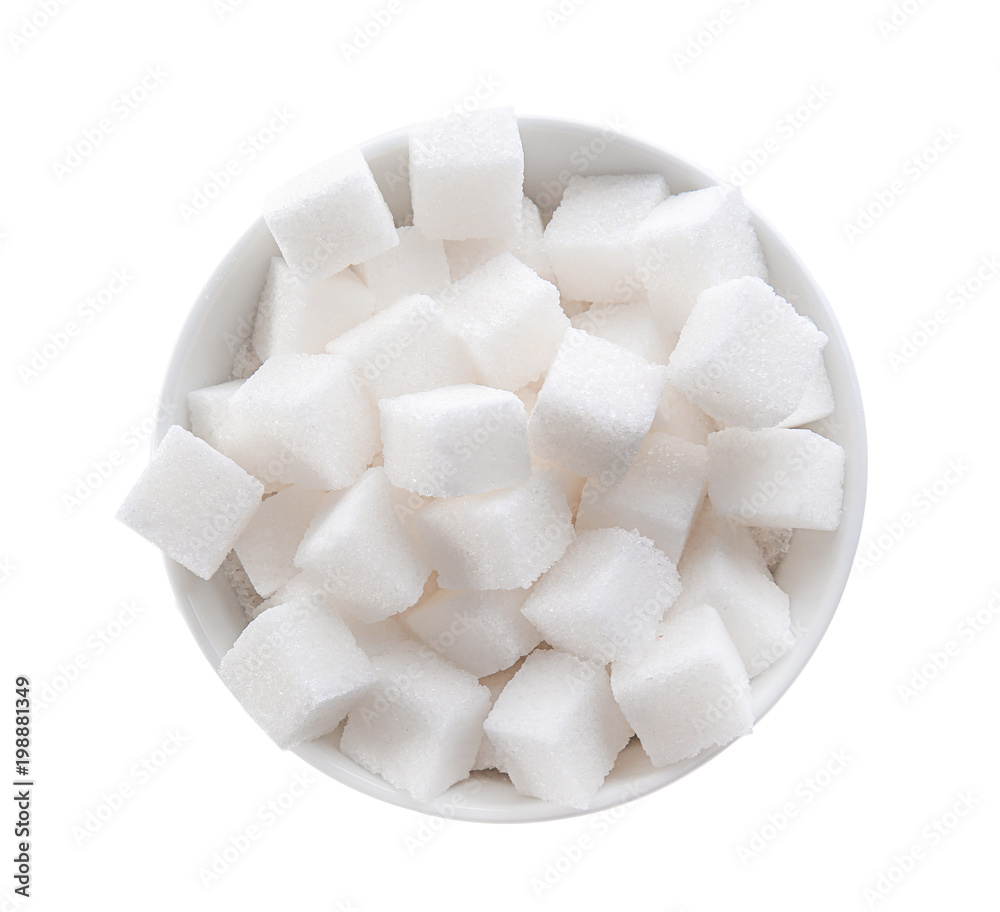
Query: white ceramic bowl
pixel 813 573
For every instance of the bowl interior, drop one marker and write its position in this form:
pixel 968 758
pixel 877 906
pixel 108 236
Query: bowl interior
pixel 814 572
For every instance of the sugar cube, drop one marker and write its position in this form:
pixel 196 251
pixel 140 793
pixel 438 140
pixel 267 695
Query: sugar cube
pixel 509 318
pixel 689 691
pixel 406 348
pixel 467 175
pixel 605 597
pixel 678 415
pixel 330 217
pixel 595 407
pixel 191 502
pixel 631 326
pixel 420 725
pixel 417 265
pixel 455 440
pixel 818 401
pixel 659 495
pixel 304 419
pixel 465 257
pixel 482 632
pixel 209 411
pixel 494 683
pixel 360 545
pixel 372 638
pixel 745 356
pixel 691 242
pixel 297 671
pixel 556 728
pixel 591 235
pixel 268 544
pixel 293 317
pixel 782 478
pixel 723 567
pixel 501 540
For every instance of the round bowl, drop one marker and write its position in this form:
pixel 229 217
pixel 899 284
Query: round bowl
pixel 813 573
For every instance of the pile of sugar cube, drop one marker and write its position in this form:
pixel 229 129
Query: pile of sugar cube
pixel 503 489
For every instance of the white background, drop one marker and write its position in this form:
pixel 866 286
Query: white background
pixel 67 568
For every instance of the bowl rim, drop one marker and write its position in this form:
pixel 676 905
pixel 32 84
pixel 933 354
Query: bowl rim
pixel 315 753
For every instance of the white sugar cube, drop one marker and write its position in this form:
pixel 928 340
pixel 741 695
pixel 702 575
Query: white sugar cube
pixel 297 671
pixel 605 597
pixel 268 544
pixel 481 632
pixel 691 242
pixel 372 638
pixel 467 175
pixel 406 348
pixel 191 502
pixel 494 683
pixel 679 416
pixel 501 540
pixel 745 356
pixel 556 728
pixel 455 440
pixel 689 691
pixel 209 411
pixel 360 545
pixel 817 403
pixel 525 243
pixel 591 235
pixel 420 725
pixel 417 265
pixel 782 478
pixel 572 484
pixel 304 419
pixel 631 326
pixel 330 217
pixel 723 567
pixel 595 407
pixel 659 495
pixel 509 318
pixel 293 317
